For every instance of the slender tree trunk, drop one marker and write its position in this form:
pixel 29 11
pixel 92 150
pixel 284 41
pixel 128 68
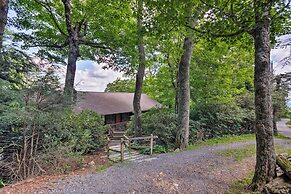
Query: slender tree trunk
pixel 73 52
pixel 71 71
pixel 275 121
pixel 184 95
pixel 140 72
pixel 266 162
pixel 3 18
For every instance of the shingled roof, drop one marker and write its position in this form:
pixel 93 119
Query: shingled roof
pixel 106 103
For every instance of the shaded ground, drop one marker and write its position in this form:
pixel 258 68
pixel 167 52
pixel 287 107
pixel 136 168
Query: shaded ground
pixel 283 128
pixel 196 171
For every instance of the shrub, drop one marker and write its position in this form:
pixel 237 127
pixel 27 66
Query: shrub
pixel 217 120
pixel 39 131
pixel 84 131
pixel 161 123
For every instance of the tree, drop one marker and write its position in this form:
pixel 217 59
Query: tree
pixel 236 17
pixel 74 30
pixel 119 85
pixel 3 18
pixel 140 71
pixel 184 94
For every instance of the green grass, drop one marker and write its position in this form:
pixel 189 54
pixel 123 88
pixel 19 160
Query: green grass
pixel 103 167
pixel 239 187
pixel 281 136
pixel 288 123
pixel 239 153
pixel 247 151
pixel 223 140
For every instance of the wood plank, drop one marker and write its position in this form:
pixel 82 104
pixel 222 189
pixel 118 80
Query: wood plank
pixel 143 138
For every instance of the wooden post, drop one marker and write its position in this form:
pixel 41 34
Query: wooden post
pixel 107 147
pixel 152 143
pixel 122 150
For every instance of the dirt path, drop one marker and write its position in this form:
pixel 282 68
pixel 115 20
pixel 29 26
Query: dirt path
pixel 283 128
pixel 199 171
pixel 196 171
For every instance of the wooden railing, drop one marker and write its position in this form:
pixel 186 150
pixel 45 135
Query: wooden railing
pixel 126 142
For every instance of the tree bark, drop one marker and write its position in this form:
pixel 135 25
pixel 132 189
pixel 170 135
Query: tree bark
pixel 265 158
pixel 140 72
pixel 73 52
pixel 71 71
pixel 182 139
pixel 275 120
pixel 3 18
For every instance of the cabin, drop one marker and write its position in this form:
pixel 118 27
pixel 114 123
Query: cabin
pixel 116 107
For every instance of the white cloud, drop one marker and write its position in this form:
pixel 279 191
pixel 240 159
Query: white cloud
pixel 277 56
pixel 93 77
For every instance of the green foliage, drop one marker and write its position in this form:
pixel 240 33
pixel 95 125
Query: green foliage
pixel 14 66
pixel 220 71
pixel 121 86
pixel 102 28
pixel 161 123
pixel 38 128
pixel 84 132
pixel 157 149
pixel 217 120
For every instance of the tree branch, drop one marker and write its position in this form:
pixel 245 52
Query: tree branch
pixel 68 8
pixel 218 35
pixel 95 45
pixel 48 8
pixel 51 45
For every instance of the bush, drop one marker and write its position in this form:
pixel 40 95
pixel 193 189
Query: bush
pixel 84 131
pixel 38 131
pixel 162 123
pixel 217 120
pixel 157 149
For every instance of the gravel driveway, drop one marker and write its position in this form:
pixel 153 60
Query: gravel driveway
pixel 200 171
pixel 196 171
pixel 283 128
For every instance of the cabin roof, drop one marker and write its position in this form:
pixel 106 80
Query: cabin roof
pixel 106 103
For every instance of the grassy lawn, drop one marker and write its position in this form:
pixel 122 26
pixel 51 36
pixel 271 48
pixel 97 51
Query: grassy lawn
pixel 281 136
pixel 223 140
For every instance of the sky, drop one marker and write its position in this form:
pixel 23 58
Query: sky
pixel 90 76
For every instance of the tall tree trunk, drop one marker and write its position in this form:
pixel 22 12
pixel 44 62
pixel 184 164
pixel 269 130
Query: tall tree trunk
pixel 73 52
pixel 182 139
pixel 266 162
pixel 3 18
pixel 71 71
pixel 140 72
